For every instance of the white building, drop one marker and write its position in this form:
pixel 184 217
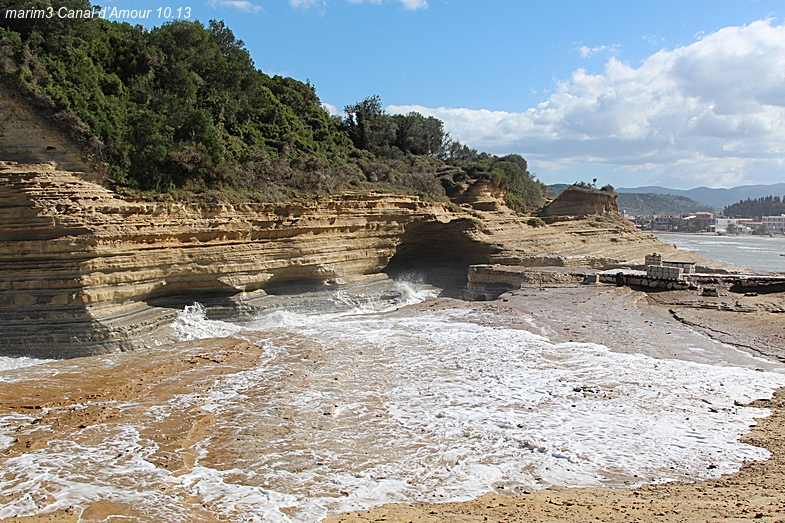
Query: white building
pixel 738 225
pixel 774 223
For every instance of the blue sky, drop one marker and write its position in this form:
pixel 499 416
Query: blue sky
pixel 674 93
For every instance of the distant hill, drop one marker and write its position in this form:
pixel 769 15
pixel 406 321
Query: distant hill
pixel 716 198
pixel 652 203
pixel 647 203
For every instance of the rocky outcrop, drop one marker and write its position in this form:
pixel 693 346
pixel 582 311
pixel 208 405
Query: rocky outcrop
pixel 487 282
pixel 577 201
pixel 84 270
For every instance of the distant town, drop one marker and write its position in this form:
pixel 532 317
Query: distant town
pixel 709 222
pixel 751 209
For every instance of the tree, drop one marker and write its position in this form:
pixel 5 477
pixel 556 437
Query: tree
pixel 416 134
pixel 369 127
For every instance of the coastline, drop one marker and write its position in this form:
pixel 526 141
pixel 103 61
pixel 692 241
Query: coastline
pixel 754 492
pixel 597 314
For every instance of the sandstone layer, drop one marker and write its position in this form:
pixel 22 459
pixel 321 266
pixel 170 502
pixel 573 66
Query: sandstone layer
pixel 30 134
pixel 84 270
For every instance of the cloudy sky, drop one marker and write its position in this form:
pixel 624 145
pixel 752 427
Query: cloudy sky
pixel 631 92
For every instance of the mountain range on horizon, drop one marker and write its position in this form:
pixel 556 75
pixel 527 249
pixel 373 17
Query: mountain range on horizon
pixel 716 198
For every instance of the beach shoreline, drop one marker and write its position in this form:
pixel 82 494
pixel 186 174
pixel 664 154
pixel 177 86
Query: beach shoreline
pixel 738 329
pixel 753 325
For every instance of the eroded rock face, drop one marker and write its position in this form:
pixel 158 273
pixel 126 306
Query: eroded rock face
pixel 83 270
pixel 27 137
pixel 579 202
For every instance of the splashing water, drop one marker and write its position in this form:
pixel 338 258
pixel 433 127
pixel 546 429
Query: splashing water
pixel 356 404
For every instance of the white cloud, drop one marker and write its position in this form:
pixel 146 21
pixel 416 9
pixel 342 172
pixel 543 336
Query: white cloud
pixel 242 5
pixel 710 113
pixel 591 51
pixel 330 108
pixel 307 4
pixel 414 4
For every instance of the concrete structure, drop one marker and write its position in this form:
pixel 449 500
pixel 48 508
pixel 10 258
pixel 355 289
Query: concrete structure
pixel 653 259
pixel 685 266
pixel 732 225
pixel 774 223
pixel 707 217
pixel 661 272
pixel 658 269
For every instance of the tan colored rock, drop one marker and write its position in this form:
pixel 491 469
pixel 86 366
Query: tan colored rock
pixel 27 137
pixel 579 201
pixel 83 270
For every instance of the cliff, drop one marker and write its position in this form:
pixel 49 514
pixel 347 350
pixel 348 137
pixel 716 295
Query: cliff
pixel 579 201
pixel 31 134
pixel 84 270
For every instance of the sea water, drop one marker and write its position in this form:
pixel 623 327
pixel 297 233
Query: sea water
pixel 761 253
pixel 360 401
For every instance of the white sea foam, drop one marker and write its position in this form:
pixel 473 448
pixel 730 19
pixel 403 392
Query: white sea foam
pixel 192 324
pixel 13 363
pixel 352 410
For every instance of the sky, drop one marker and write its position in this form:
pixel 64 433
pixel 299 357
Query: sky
pixel 634 93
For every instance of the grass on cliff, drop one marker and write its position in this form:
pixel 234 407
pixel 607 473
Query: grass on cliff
pixel 182 109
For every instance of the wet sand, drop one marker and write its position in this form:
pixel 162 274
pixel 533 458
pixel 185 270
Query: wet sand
pixel 665 325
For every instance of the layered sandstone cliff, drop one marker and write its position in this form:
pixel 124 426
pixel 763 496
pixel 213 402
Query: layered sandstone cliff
pixel 83 270
pixel 579 201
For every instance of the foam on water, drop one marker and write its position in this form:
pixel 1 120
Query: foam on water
pixel 192 324
pixel 14 363
pixel 351 410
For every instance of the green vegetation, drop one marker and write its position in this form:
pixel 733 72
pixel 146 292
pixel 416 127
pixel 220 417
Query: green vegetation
pixel 181 109
pixel 756 208
pixel 554 190
pixel 535 222
pixel 643 204
pixel 687 225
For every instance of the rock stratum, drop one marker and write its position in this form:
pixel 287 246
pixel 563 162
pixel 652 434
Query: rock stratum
pixel 84 270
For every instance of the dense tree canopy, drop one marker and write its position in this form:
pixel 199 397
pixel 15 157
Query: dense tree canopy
pixel 182 106
pixel 756 208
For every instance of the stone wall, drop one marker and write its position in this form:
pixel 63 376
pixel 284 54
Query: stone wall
pixel 686 267
pixel 660 272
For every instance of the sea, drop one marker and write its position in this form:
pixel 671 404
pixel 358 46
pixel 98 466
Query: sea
pixel 762 253
pixel 362 399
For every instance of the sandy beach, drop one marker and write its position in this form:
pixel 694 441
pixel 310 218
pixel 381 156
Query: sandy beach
pixel 620 318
